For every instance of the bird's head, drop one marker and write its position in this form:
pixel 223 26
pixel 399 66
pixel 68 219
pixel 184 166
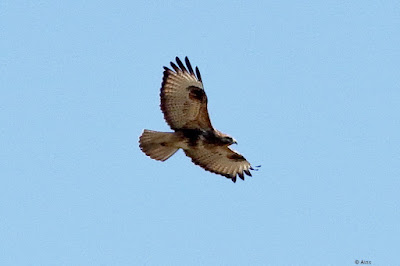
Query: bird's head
pixel 228 140
pixel 224 138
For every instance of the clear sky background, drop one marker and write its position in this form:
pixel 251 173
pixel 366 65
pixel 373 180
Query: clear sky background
pixel 310 89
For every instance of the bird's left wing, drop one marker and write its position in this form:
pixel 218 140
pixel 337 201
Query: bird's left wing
pixel 183 99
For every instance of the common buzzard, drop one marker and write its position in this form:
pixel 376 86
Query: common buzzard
pixel 184 104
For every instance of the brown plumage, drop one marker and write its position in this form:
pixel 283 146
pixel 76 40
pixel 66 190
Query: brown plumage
pixel 184 104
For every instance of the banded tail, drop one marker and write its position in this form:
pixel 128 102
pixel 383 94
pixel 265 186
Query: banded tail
pixel 158 145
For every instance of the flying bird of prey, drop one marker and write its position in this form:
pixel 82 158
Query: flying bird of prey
pixel 184 104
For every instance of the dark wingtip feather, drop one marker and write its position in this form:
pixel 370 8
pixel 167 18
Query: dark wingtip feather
pixel 241 175
pixel 233 178
pixel 189 66
pixel 198 74
pixel 247 172
pixel 175 67
pixel 257 166
pixel 180 64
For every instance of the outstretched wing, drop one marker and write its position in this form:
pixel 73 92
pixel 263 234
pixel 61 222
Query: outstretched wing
pixel 220 160
pixel 183 100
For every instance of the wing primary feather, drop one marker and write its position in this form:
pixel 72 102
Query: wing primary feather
pixel 189 66
pixel 177 69
pixel 167 69
pixel 182 66
pixel 233 178
pixel 241 175
pixel 198 74
pixel 247 172
pixel 226 175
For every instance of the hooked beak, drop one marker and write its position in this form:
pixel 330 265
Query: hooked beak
pixel 234 141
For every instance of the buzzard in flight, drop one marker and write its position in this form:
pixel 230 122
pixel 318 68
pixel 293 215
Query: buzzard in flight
pixel 184 104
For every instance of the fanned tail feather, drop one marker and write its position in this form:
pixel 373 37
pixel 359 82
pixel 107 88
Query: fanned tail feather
pixel 157 145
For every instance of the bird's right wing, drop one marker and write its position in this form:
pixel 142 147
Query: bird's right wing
pixel 220 160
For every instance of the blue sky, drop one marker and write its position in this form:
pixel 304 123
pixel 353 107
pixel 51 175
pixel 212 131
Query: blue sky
pixel 311 91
